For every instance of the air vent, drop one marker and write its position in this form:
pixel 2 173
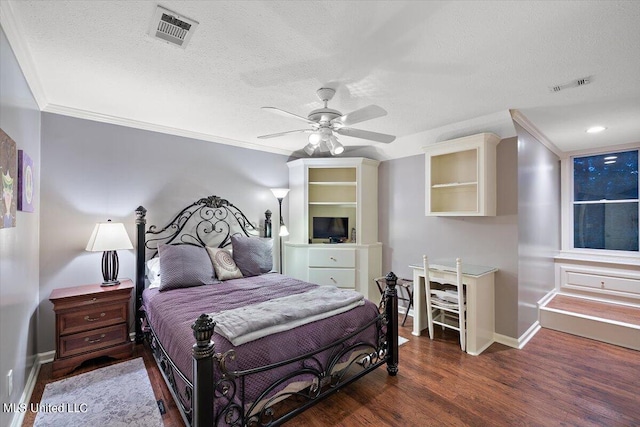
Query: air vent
pixel 172 28
pixel 575 83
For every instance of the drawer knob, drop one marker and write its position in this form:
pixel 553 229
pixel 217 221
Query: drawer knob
pixel 94 341
pixel 333 280
pixel 602 284
pixel 94 299
pixel 332 259
pixel 93 319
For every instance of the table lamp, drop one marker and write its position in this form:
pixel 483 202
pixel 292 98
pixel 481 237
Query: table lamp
pixel 109 237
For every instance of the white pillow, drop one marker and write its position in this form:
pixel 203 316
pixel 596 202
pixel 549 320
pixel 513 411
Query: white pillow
pixel 153 272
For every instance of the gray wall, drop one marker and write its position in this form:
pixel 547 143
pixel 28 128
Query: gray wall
pixel 538 224
pixel 94 171
pixel 20 119
pixel 407 233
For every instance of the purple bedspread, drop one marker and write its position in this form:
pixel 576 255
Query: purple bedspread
pixel 171 314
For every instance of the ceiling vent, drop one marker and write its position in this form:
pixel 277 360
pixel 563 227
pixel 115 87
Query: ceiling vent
pixel 172 28
pixel 575 83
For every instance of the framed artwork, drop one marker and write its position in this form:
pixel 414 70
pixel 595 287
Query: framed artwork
pixel 9 178
pixel 25 182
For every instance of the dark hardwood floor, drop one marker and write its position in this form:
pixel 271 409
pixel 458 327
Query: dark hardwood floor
pixel 556 380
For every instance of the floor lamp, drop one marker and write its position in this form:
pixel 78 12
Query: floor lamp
pixel 280 194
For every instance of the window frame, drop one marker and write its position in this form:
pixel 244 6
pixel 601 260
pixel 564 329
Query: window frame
pixel 567 205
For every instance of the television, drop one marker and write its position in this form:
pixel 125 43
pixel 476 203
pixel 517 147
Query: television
pixel 325 227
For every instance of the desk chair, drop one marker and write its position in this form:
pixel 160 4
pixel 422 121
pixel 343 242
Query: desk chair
pixel 446 303
pixel 404 284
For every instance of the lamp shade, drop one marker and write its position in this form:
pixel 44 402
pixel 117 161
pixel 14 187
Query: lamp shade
pixel 109 236
pixel 280 193
pixel 283 231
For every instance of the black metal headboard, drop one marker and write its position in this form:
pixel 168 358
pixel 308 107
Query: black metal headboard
pixel 210 221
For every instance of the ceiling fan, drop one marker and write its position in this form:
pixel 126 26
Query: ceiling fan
pixel 326 122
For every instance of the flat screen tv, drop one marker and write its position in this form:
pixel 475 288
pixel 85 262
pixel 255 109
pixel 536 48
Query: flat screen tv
pixel 325 227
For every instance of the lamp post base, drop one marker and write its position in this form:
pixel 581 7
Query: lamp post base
pixel 110 283
pixel 110 268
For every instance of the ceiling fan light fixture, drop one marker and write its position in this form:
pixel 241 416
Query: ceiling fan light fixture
pixel 315 138
pixel 310 149
pixel 335 147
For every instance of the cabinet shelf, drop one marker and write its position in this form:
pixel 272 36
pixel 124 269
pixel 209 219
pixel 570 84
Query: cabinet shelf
pixel 334 184
pixel 455 184
pixel 352 204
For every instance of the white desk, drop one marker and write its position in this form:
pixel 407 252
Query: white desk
pixel 479 286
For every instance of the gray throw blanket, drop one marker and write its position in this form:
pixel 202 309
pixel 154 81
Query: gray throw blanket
pixel 248 323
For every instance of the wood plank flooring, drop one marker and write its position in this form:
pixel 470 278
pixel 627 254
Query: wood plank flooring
pixel 556 380
pixel 617 312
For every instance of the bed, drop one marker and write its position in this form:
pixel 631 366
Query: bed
pixel 253 348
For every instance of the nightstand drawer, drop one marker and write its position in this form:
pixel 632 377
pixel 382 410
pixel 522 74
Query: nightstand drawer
pixel 91 321
pixel 332 257
pixel 83 342
pixel 92 317
pixel 340 277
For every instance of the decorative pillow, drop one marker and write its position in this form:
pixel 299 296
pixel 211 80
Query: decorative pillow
pixel 183 266
pixel 253 255
pixel 223 264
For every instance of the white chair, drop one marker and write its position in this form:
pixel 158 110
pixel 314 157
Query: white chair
pixel 446 303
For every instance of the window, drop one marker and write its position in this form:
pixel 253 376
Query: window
pixel 605 201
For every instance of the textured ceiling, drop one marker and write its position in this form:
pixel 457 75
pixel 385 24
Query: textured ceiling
pixel 440 69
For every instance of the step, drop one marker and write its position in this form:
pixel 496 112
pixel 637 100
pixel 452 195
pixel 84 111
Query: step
pixel 607 321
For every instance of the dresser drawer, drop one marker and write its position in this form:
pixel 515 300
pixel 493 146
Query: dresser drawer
pixel 332 257
pixel 340 277
pixel 67 298
pixel 92 317
pixel 96 339
pixel 613 283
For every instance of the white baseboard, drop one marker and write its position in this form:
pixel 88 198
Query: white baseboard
pixel 548 297
pixel 520 342
pixel 32 379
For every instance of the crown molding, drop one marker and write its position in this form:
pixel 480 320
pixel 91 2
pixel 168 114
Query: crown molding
pixel 523 121
pixel 121 121
pixel 18 45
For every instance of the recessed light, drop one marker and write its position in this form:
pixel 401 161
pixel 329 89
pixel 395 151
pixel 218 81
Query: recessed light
pixel 596 129
pixel 611 157
pixel 609 162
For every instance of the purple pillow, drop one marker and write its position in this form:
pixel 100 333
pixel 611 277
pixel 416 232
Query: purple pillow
pixel 253 255
pixel 183 266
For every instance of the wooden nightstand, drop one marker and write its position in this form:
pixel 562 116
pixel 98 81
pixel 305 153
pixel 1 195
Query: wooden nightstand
pixel 91 321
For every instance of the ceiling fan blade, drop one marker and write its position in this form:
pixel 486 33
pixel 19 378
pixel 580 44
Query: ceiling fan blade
pixel 274 135
pixel 288 114
pixel 365 134
pixel 357 116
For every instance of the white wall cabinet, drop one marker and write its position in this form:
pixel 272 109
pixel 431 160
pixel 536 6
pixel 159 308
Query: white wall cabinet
pixel 460 176
pixel 334 188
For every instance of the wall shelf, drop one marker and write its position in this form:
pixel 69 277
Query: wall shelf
pixel 460 176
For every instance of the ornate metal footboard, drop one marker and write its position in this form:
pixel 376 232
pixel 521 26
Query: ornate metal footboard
pixel 217 395
pixel 228 406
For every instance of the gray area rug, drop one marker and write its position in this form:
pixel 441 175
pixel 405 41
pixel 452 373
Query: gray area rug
pixel 116 395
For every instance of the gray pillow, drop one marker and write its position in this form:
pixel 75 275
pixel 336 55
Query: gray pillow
pixel 253 255
pixel 183 266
